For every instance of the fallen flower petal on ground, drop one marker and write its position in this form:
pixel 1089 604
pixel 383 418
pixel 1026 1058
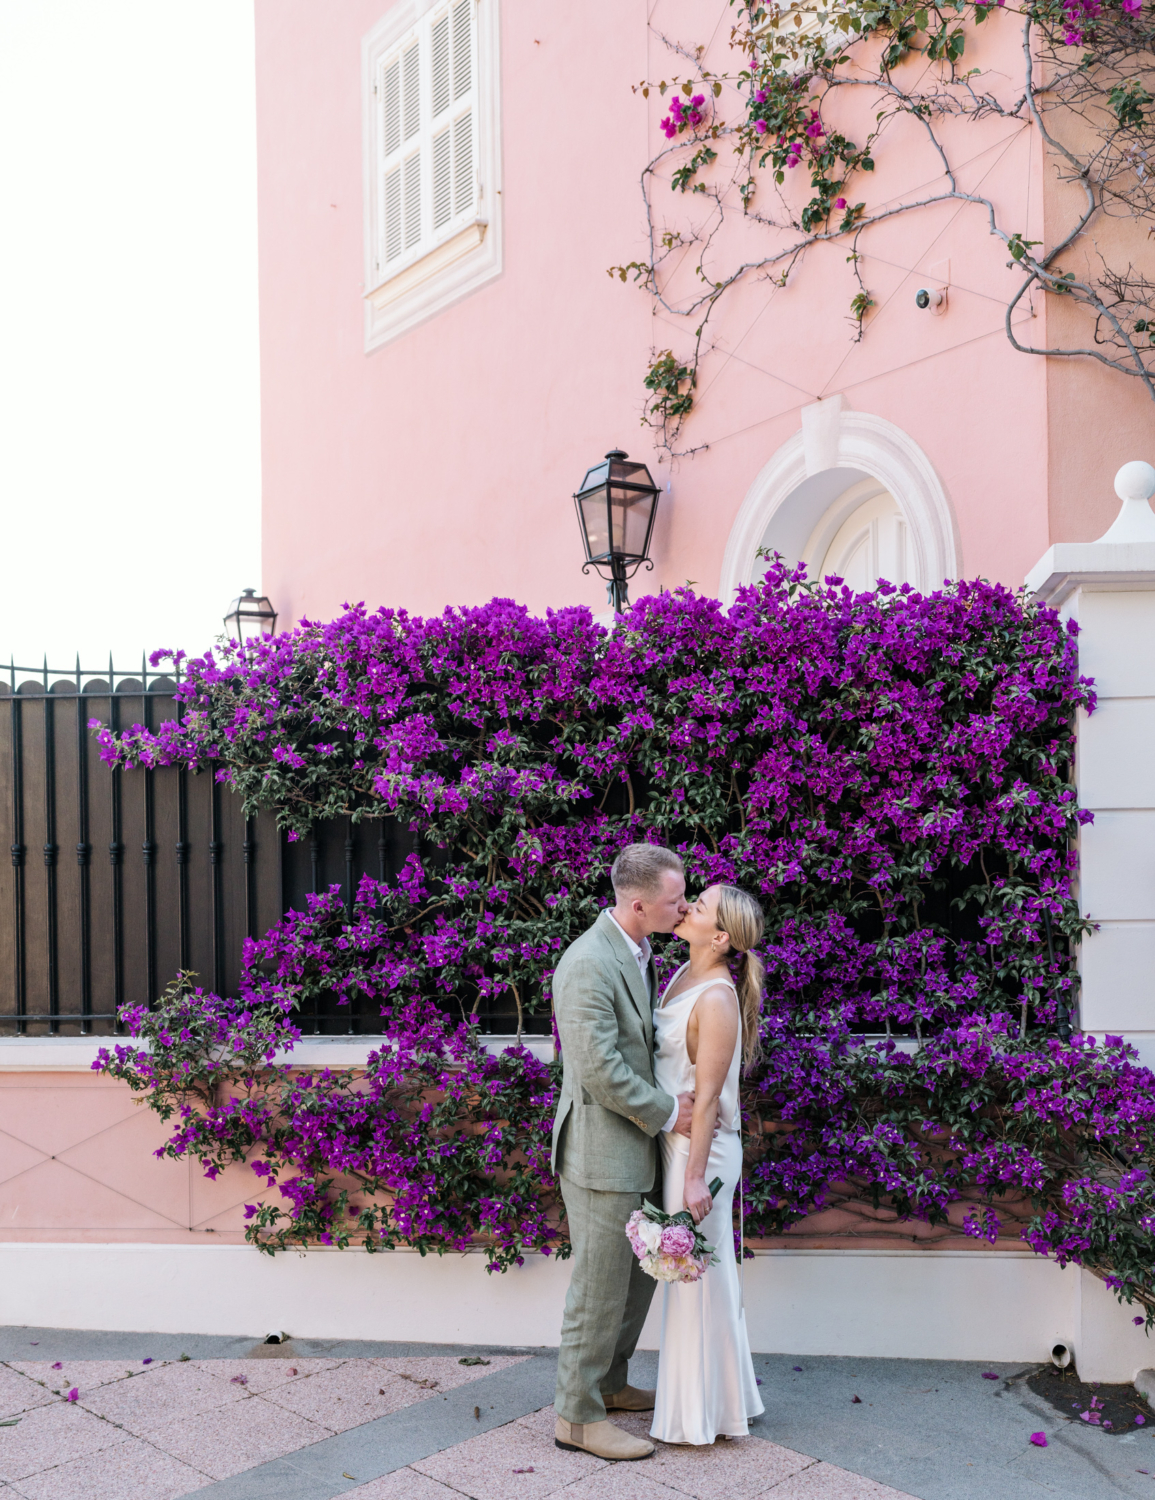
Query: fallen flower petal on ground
pixel 1039 1439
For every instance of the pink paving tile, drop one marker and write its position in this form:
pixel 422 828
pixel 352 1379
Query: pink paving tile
pixel 730 1469
pixel 237 1437
pixel 402 1484
pixel 87 1374
pixel 826 1482
pixel 131 1468
pixel 622 1482
pixel 20 1393
pixel 447 1370
pixel 482 1467
pixel 51 1435
pixel 173 1394
pixel 356 1392
pixel 263 1374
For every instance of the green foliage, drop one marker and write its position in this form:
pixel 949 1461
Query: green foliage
pixel 672 384
pixel 1129 100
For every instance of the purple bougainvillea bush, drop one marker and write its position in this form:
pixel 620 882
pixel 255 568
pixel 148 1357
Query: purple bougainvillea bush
pixel 890 772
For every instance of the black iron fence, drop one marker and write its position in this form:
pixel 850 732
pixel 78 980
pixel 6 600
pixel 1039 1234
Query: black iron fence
pixel 117 880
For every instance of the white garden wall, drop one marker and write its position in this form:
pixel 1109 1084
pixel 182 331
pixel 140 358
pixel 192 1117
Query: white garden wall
pixel 992 1306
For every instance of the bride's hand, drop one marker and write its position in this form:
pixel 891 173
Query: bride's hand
pixel 696 1197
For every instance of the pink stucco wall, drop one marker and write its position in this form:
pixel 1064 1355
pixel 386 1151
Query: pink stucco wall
pixel 78 1165
pixel 439 468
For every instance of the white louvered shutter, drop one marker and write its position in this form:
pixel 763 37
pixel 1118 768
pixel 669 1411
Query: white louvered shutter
pixel 428 135
pixel 464 95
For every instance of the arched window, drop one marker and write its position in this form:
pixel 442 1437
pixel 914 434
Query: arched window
pixel 850 494
pixel 861 537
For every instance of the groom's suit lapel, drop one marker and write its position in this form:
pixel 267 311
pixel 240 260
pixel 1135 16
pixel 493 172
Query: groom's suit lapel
pixel 633 975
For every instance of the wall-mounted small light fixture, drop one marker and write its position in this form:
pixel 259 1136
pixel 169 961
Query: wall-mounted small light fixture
pixel 250 617
pixel 616 506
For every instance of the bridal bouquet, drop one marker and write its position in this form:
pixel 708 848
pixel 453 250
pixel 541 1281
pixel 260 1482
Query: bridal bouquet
pixel 669 1245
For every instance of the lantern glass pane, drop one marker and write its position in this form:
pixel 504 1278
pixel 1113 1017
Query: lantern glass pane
pixel 594 477
pixel 633 473
pixel 631 513
pixel 595 522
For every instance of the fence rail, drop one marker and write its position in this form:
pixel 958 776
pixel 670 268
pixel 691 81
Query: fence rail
pixel 117 879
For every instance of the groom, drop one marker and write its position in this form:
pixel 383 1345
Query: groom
pixel 604 1152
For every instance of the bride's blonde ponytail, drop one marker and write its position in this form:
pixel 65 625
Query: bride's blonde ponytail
pixel 740 917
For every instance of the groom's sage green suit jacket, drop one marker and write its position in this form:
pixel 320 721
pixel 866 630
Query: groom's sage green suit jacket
pixel 609 1112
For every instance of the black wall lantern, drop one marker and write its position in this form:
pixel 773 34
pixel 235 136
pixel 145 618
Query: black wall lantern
pixel 616 506
pixel 249 618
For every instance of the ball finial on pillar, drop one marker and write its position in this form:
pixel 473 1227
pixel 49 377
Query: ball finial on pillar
pixel 1134 485
pixel 1135 481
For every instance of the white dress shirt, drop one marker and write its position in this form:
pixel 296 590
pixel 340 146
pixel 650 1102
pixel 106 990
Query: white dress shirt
pixel 642 953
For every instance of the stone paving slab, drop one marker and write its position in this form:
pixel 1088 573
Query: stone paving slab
pixel 938 1430
pixel 312 1420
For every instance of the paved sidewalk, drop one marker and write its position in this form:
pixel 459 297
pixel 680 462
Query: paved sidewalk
pixel 376 1421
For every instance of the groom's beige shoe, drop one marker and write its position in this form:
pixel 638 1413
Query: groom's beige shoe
pixel 630 1399
pixel 602 1439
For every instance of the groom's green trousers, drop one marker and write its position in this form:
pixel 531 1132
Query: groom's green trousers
pixel 609 1297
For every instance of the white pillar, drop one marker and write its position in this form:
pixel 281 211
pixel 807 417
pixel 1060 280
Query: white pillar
pixel 1108 586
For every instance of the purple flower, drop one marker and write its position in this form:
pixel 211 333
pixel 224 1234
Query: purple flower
pixel 73 1394
pixel 883 742
pixel 1039 1439
pixel 761 127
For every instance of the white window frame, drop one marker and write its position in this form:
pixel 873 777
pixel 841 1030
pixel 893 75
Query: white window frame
pixel 465 253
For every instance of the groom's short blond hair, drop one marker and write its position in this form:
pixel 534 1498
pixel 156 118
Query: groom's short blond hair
pixel 639 868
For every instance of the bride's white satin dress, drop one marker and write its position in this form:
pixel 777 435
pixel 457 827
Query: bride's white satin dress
pixel 706 1384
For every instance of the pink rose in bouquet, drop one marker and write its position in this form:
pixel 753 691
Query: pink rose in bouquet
pixel 677 1239
pixel 670 1246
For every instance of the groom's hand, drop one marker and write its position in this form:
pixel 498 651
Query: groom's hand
pixel 685 1114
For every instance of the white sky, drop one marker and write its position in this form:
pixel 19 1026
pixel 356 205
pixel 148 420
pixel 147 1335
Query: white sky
pixel 129 444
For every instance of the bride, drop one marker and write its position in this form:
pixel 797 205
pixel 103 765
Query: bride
pixel 705 1027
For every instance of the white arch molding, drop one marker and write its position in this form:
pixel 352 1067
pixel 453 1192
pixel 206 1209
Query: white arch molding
pixel 834 438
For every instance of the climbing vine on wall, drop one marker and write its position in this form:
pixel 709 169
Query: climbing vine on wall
pixel 768 143
pixel 890 773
